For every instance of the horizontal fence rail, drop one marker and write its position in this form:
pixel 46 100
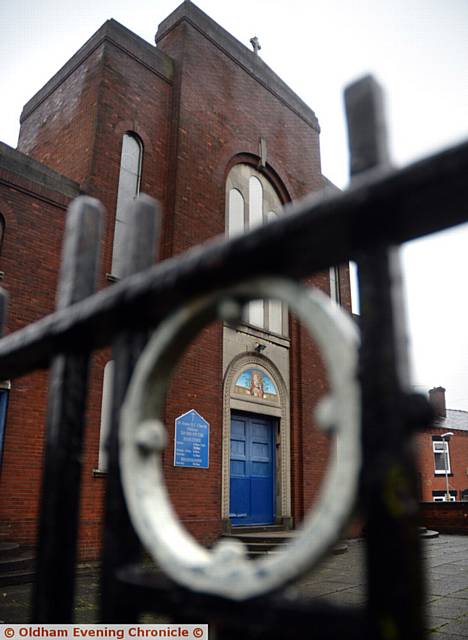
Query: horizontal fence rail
pixel 380 208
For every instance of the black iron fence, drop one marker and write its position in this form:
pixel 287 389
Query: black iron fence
pixel 382 209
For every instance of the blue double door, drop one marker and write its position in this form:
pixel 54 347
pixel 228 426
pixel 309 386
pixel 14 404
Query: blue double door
pixel 252 483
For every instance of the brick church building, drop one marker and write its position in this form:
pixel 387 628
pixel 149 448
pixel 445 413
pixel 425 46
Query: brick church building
pixel 201 123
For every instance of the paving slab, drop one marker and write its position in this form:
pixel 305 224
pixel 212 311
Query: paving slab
pixel 434 623
pixel 448 607
pixel 457 627
pixel 440 635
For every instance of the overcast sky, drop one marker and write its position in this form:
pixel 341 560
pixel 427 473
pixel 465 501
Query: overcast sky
pixel 418 50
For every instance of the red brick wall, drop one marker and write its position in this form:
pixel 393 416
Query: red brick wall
pixel 224 112
pixel 445 517
pixel 78 130
pixel 132 98
pixel 34 222
pixel 196 493
pixel 60 131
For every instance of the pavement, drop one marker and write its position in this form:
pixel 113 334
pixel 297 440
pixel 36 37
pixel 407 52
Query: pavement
pixel 340 579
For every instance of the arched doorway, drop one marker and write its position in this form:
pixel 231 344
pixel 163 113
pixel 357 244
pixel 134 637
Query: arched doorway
pixel 256 486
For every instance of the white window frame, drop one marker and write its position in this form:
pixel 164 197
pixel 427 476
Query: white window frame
pixel 445 452
pixel 443 498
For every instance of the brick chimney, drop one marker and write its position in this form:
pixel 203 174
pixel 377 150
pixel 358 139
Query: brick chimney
pixel 437 399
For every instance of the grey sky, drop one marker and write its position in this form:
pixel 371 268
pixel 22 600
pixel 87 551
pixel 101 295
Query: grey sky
pixel 418 49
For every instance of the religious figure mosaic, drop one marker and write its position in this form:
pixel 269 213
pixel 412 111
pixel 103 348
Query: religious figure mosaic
pixel 256 383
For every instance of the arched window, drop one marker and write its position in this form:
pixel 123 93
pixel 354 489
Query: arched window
pixel 106 409
pixel 129 187
pixel 252 201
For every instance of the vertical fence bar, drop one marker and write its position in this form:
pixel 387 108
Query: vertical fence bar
pixel 58 521
pixel 394 565
pixel 120 544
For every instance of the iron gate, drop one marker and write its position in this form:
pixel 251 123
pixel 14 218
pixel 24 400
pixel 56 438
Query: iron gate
pixel 382 209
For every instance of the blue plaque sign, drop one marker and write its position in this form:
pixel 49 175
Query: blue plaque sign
pixel 192 439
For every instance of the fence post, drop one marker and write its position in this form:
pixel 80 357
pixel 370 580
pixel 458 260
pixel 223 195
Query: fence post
pixel 389 479
pixel 58 520
pixel 120 544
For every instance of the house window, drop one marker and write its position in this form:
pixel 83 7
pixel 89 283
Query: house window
pixel 441 457
pixel 129 187
pixel 441 496
pixel 106 412
pixel 251 201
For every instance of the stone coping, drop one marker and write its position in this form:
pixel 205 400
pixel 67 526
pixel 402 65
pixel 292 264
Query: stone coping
pixel 22 165
pixel 113 33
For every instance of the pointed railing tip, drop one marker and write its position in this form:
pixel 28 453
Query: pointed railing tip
pixel 366 123
pixel 142 243
pixel 90 209
pixel 80 251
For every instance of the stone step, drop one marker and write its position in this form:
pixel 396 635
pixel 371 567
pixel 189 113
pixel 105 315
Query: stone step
pixel 22 560
pixel 263 547
pixel 16 577
pixel 272 541
pixel 257 555
pixel 256 549
pixel 268 528
pixel 263 544
pixel 16 563
pixel 8 549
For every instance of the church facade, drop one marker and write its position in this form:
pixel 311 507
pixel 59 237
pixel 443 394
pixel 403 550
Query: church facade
pixel 201 123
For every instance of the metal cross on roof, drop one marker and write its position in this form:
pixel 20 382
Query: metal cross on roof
pixel 255 44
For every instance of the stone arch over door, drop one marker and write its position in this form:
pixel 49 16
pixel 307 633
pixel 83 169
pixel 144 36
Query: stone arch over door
pixel 233 401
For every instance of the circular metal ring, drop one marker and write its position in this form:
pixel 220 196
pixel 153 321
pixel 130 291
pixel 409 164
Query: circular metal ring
pixel 226 570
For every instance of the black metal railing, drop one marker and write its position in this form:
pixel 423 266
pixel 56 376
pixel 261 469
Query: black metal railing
pixel 382 209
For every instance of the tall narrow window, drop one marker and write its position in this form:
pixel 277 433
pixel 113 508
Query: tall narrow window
pixel 106 409
pixel 129 186
pixel 441 456
pixel 275 307
pixel 335 293
pixel 236 213
pixel 252 201
pixel 255 202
